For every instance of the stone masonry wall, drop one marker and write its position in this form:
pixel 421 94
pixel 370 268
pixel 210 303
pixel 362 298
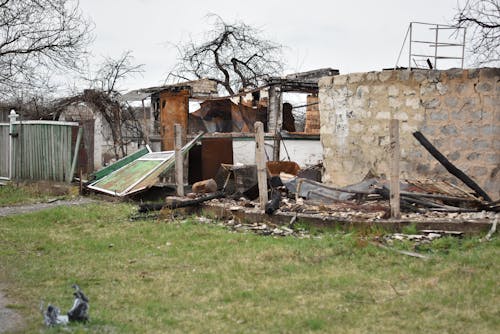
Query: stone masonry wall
pixel 457 110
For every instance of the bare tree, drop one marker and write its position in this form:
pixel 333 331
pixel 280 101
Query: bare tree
pixel 38 37
pixel 234 55
pixel 114 70
pixel 481 18
pixel 104 97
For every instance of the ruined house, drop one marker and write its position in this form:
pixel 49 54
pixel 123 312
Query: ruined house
pixel 457 110
pixel 229 121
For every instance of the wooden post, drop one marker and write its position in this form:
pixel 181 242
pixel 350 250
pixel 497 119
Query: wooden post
pixel 260 160
pixel 395 156
pixel 179 160
pixel 145 128
pixel 275 118
pixel 69 177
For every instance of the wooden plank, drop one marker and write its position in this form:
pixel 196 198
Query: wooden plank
pixel 179 160
pixel 69 178
pixel 260 159
pixel 394 173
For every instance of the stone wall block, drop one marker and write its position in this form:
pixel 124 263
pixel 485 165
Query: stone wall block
pixel 483 87
pixel 438 115
pixel 433 76
pixel 455 73
pixel 479 144
pixel 393 91
pixel 340 79
pixel 419 75
pixel 404 75
pixel 431 103
pixel 449 130
pixel 355 77
pixel 441 88
pixel 325 82
pixel 489 74
pixel 385 75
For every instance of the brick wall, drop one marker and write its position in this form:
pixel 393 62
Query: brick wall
pixel 457 110
pixel 312 115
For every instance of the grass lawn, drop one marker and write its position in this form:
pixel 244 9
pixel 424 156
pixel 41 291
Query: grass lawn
pixel 159 277
pixel 26 193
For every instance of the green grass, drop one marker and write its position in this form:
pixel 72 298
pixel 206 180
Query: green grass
pixel 26 193
pixel 157 277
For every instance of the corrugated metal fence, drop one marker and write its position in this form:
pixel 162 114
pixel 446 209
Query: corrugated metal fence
pixel 41 150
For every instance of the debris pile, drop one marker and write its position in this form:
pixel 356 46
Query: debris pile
pixel 79 312
pixel 258 228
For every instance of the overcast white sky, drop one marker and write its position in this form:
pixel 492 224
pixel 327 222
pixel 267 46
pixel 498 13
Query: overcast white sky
pixel 352 36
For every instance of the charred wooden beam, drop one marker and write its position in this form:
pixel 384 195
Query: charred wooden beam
pixel 452 169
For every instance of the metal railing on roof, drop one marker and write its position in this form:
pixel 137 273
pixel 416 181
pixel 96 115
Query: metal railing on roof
pixel 454 42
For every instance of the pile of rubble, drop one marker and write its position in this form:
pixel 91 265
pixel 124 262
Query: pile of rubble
pixel 258 228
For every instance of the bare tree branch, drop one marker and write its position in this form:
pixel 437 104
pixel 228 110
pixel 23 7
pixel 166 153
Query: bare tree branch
pixel 38 37
pixel 234 55
pixel 481 18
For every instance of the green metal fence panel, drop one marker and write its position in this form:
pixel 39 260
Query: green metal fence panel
pixel 42 150
pixel 4 151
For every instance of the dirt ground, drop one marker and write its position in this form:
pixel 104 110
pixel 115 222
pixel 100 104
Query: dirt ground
pixel 10 321
pixel 17 209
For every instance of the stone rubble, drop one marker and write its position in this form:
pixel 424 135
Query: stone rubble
pixel 264 229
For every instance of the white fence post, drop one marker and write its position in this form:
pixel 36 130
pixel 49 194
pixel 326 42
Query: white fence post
pixel 12 118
